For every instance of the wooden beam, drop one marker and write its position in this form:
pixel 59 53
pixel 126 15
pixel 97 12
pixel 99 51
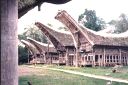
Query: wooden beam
pixel 120 60
pixel 104 57
pixel 67 57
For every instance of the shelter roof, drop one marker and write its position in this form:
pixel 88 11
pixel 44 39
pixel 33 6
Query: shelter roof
pixel 93 37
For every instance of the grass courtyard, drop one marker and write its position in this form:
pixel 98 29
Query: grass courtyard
pixel 102 71
pixel 50 77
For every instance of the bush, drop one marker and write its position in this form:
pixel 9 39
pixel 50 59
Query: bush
pixel 22 54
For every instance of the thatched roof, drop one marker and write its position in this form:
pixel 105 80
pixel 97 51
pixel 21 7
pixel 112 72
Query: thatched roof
pixel 104 40
pixel 42 47
pixel 91 36
pixel 64 38
pixel 26 5
pixel 30 47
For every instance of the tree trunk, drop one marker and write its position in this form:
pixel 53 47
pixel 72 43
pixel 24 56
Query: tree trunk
pixel 9 42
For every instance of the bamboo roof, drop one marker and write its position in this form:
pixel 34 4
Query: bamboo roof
pixel 91 36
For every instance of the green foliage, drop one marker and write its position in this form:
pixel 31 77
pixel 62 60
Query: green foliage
pixel 23 55
pixel 121 24
pixel 21 36
pixel 91 21
pixel 34 33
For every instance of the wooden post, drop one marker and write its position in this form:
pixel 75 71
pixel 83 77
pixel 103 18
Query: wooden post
pixel 93 60
pixel 66 58
pixel 28 56
pixel 9 42
pixel 77 56
pixel 127 58
pixel 120 56
pixel 112 59
pixel 48 53
pixel 74 57
pixel 59 59
pixel 115 59
pixel 104 57
pixel 43 57
pixel 109 60
pixel 99 60
pixel 35 59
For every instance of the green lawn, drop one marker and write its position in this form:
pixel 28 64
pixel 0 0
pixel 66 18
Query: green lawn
pixel 49 77
pixel 103 71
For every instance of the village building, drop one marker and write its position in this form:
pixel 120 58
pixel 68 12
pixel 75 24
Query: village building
pixel 81 47
pixel 63 42
pixel 47 52
pixel 93 49
pixel 32 51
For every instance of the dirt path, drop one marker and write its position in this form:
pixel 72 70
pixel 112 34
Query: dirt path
pixel 25 70
pixel 87 75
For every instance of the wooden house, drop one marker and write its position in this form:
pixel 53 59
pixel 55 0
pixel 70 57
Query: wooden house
pixel 94 49
pixel 63 42
pixel 47 52
pixel 32 51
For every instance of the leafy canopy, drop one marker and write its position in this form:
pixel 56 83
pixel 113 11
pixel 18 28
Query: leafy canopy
pixel 91 21
pixel 121 25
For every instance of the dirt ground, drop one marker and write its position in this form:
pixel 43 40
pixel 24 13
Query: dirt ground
pixel 25 70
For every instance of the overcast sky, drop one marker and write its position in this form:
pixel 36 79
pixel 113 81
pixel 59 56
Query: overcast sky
pixel 106 9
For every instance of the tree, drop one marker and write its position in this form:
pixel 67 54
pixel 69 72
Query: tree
pixel 121 24
pixel 9 45
pixel 23 54
pixel 91 21
pixel 35 33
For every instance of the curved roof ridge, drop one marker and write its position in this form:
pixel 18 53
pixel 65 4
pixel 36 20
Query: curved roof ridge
pixel 63 38
pixel 93 37
pixel 59 31
pixel 30 46
pixel 41 43
pixel 42 46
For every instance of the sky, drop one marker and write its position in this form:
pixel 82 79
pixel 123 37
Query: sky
pixel 106 9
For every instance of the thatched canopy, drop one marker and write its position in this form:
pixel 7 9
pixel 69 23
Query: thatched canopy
pixel 30 47
pixel 64 38
pixel 103 40
pixel 93 38
pixel 42 47
pixel 25 5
